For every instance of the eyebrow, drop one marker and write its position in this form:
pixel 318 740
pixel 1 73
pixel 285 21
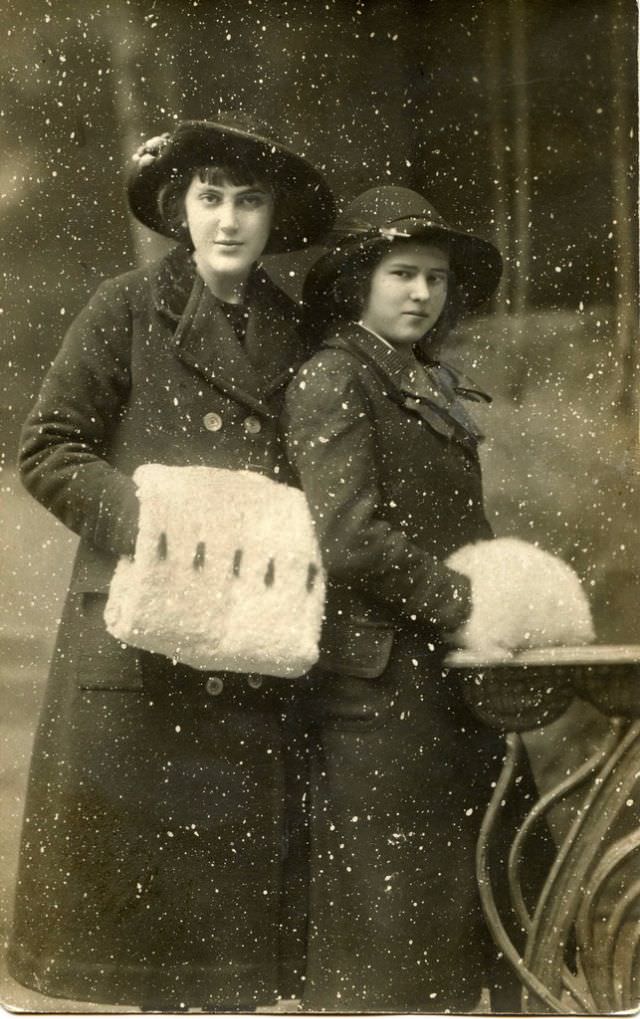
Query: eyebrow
pixel 243 190
pixel 412 265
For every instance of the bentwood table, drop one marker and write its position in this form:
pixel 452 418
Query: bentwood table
pixel 581 946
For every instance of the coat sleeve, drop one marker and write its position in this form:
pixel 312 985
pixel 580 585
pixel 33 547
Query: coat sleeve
pixel 331 444
pixel 65 440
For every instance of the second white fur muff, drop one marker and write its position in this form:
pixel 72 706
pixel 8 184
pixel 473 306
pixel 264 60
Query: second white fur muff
pixel 226 575
pixel 522 597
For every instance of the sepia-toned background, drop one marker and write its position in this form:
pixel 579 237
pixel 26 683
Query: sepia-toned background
pixel 517 117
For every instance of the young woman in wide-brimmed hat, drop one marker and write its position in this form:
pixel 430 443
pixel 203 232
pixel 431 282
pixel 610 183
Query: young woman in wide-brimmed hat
pixel 157 846
pixel 381 436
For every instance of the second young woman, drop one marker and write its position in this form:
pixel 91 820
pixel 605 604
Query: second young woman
pixel 381 438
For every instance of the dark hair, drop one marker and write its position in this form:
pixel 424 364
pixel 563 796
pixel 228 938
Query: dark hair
pixel 450 315
pixel 171 197
pixel 343 300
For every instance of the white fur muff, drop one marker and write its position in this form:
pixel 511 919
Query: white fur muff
pixel 522 597
pixel 226 573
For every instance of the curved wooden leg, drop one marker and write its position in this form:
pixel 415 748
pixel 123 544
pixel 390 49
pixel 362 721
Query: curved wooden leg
pixel 577 861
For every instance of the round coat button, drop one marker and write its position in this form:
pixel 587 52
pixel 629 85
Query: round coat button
pixel 214 685
pixel 255 682
pixel 253 425
pixel 212 421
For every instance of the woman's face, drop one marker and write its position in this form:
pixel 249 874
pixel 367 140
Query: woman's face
pixel 407 293
pixel 229 226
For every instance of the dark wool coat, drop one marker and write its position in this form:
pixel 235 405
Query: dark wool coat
pixel 157 860
pixel 402 770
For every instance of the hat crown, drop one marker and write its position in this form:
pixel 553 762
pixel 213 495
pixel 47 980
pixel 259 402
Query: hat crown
pixel 236 123
pixel 383 207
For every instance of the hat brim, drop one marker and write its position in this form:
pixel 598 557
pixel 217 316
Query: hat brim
pixel 475 262
pixel 305 208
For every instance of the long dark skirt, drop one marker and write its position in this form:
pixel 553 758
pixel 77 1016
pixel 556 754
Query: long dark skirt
pixel 400 780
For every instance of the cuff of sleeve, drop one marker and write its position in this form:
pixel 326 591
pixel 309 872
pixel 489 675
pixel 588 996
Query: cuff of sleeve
pixel 117 523
pixel 452 607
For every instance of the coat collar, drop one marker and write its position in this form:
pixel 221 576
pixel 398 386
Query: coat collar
pixel 171 281
pixel 252 371
pixel 433 390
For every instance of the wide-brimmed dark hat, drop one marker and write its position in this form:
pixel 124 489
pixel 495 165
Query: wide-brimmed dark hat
pixel 382 215
pixel 305 208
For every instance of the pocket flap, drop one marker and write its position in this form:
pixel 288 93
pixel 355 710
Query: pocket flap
pixel 356 647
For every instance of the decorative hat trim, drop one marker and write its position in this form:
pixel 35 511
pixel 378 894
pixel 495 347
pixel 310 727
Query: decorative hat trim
pixel 150 150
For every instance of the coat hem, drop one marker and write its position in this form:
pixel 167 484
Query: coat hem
pixel 133 985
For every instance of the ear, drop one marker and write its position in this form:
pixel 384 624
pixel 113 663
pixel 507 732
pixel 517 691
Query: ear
pixel 171 207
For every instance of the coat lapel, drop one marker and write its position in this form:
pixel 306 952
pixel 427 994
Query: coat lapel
pixel 433 392
pixel 250 372
pixel 273 344
pixel 206 342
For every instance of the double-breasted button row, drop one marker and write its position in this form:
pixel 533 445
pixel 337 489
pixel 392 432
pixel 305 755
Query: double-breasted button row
pixel 214 685
pixel 212 421
pixel 252 425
